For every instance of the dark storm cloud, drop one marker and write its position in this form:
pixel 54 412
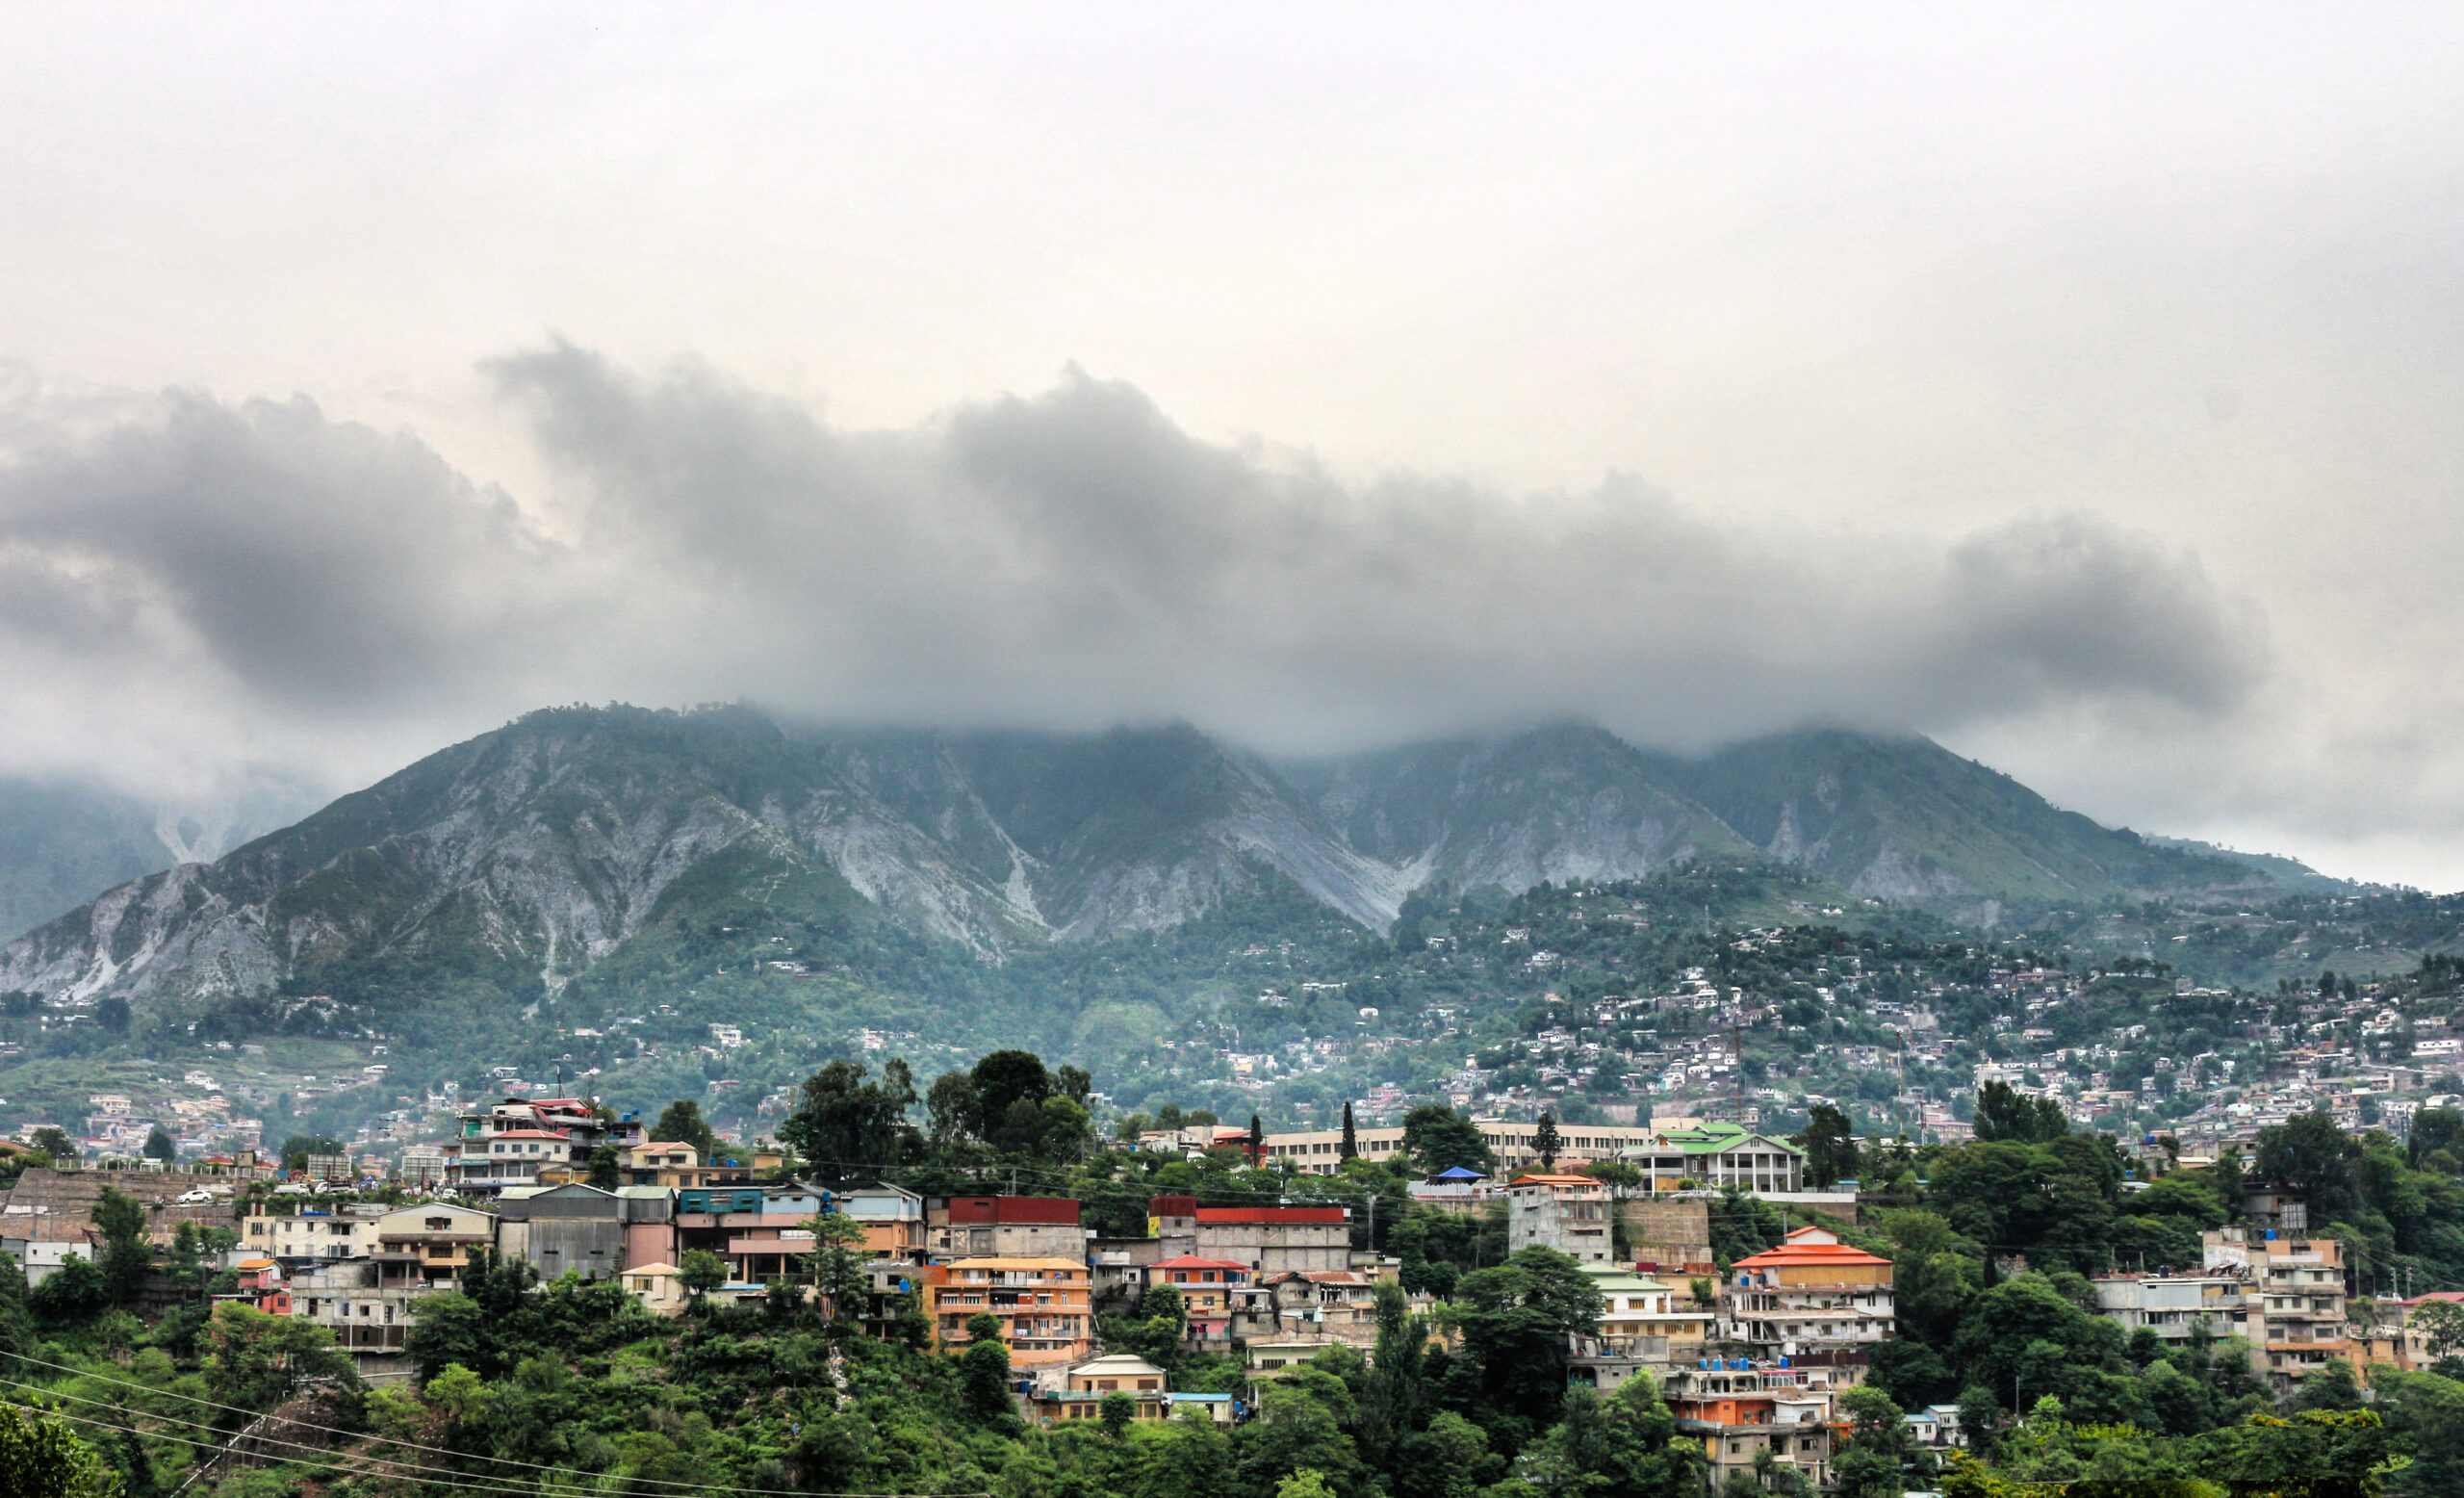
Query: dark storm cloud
pixel 1069 560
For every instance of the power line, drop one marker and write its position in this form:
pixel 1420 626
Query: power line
pixel 306 1425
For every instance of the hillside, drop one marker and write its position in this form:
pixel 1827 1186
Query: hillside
pixel 1905 820
pixel 527 856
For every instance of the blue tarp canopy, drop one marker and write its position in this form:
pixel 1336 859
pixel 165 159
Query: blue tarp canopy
pixel 1458 1172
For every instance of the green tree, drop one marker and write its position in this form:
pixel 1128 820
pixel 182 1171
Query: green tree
pixel 1829 1143
pixel 160 1146
pixel 702 1272
pixel 2310 1154
pixel 54 1141
pixel 1546 1143
pixel 1440 1139
pixel 681 1123
pixel 71 1295
pixel 1349 1148
pixel 42 1457
pixel 259 1362
pixel 954 1109
pixel 125 1255
pixel 296 1149
pixel 1624 1446
pixel 983 1382
pixel 847 1123
pixel 1117 1411
pixel 2002 1113
pixel 607 1168
pixel 1515 1321
pixel 836 1265
pixel 1871 1465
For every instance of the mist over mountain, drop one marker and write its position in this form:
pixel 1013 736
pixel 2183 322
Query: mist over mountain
pixel 534 852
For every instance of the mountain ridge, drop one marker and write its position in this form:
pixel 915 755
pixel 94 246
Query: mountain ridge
pixel 537 849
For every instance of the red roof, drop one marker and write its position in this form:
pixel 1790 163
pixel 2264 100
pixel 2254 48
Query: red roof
pixel 1810 1256
pixel 1193 1261
pixel 1269 1214
pixel 1062 1210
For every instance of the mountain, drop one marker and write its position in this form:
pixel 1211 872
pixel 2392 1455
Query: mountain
pixel 62 843
pixel 529 855
pixel 2284 873
pixel 1566 801
pixel 1906 820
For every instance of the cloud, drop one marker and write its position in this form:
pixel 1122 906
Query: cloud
pixel 258 585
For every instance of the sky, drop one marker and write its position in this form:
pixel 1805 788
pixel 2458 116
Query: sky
pixel 2078 385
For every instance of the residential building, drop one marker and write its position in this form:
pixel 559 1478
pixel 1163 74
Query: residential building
pixel 1005 1227
pixel 312 1233
pixel 2293 1310
pixel 1811 1294
pixel 1083 1386
pixel 659 1287
pixel 510 1142
pixel 892 1217
pixel 431 1242
pixel 1567 1213
pixel 2171 1306
pixel 1938 1427
pixel 1268 1239
pixel 1741 1408
pixel 1319 1306
pixel 1645 1324
pixel 1205 1286
pixel 1041 1302
pixel 1319 1151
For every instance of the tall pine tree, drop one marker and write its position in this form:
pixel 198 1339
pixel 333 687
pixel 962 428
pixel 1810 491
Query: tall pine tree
pixel 1351 1141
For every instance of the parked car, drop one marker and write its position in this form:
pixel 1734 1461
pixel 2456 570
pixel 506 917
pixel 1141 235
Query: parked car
pixel 192 1197
pixel 294 1188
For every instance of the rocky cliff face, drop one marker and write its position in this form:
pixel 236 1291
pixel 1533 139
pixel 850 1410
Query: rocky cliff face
pixel 540 848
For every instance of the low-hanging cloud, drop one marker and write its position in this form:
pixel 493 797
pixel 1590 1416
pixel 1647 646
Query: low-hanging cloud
pixel 1071 559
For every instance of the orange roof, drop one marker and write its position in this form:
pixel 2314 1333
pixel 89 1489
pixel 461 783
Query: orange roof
pixel 1810 1255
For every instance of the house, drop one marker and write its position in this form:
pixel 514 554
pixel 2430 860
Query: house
pixel 2294 1314
pixel 1041 1302
pixel 1811 1294
pixel 537 1134
pixel 312 1233
pixel 892 1217
pixel 1085 1386
pixel 1718 1155
pixel 1567 1213
pixel 659 1287
pixel 1644 1325
pixel 1319 1306
pixel 261 1287
pixel 1205 1286
pixel 430 1242
pixel 1741 1408
pixel 1938 1426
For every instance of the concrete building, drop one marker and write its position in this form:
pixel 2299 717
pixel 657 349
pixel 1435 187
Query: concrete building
pixel 2294 1314
pixel 1004 1228
pixel 1741 1408
pixel 511 1142
pixel 659 1287
pixel 312 1233
pixel 1318 1152
pixel 1268 1239
pixel 1083 1386
pixel 2170 1305
pixel 892 1218
pixel 562 1230
pixel 430 1242
pixel 1717 1156
pixel 1043 1304
pixel 1567 1213
pixel 1811 1294
pixel 1206 1288
pixel 1646 1324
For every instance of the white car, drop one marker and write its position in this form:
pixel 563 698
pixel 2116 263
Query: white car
pixel 294 1188
pixel 192 1197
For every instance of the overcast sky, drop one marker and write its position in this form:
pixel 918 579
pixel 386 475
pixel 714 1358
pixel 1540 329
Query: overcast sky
pixel 2079 386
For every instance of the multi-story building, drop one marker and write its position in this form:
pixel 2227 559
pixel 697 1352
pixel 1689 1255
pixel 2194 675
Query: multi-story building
pixel 2171 1306
pixel 1317 1304
pixel 1319 1151
pixel 511 1142
pixel 1741 1408
pixel 1644 1325
pixel 1268 1239
pixel 1567 1213
pixel 430 1242
pixel 2293 1309
pixel 1811 1294
pixel 1005 1227
pixel 892 1218
pixel 1206 1288
pixel 1041 1303
pixel 1083 1390
pixel 1717 1156
pixel 312 1233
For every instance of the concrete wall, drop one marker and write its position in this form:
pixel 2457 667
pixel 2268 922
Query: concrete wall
pixel 1667 1232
